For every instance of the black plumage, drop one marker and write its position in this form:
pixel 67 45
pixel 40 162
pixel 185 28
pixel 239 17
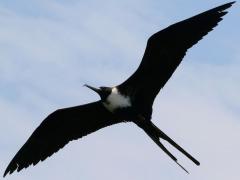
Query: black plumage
pixel 130 101
pixel 58 129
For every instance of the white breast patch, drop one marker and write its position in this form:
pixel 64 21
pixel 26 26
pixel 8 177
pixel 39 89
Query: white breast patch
pixel 116 100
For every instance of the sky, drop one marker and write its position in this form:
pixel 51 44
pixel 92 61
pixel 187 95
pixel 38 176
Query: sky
pixel 50 49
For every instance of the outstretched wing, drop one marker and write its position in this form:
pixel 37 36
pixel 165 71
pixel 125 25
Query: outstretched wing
pixel 58 129
pixel 165 50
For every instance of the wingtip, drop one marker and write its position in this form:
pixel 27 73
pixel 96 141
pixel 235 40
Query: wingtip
pixel 232 2
pixel 10 169
pixel 227 5
pixel 223 7
pixel 5 173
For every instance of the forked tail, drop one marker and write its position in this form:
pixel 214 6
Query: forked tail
pixel 156 134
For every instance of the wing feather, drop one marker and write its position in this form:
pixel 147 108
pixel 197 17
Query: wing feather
pixel 164 52
pixel 58 129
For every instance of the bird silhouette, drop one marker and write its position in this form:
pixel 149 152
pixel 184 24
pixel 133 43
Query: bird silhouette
pixel 130 101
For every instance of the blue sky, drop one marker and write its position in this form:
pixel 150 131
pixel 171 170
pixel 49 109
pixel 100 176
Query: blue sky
pixel 49 49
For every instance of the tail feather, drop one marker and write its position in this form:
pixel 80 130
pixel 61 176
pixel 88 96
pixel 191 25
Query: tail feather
pixel 156 134
pixel 157 141
pixel 168 139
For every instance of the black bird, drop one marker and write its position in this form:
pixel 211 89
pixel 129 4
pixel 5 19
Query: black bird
pixel 130 101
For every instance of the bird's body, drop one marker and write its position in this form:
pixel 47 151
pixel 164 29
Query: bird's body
pixel 131 101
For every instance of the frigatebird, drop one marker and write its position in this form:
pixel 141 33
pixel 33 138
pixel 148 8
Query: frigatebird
pixel 130 101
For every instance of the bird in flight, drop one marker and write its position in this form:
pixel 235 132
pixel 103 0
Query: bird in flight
pixel 131 101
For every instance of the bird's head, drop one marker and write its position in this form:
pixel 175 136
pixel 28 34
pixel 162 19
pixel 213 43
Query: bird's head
pixel 103 92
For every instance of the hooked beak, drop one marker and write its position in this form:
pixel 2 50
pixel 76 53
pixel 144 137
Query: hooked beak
pixel 93 88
